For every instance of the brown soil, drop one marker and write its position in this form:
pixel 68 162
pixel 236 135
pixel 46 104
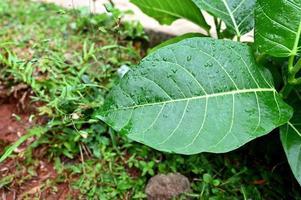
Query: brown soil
pixel 16 110
pixel 10 128
pixel 38 185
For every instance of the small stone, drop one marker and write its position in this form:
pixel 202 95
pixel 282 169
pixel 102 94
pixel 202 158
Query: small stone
pixel 165 187
pixel 68 58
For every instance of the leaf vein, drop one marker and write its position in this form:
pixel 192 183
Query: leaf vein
pixel 239 5
pixel 154 121
pixel 178 125
pixel 242 91
pixel 232 17
pixel 188 72
pixel 277 44
pixel 220 65
pixel 231 125
pixel 201 127
pixel 294 128
pixel 272 20
pixel 157 85
pixel 259 113
pixel 293 4
pixel 248 68
pixel 209 5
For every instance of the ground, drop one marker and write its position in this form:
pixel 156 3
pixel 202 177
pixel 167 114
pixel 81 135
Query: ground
pixel 56 66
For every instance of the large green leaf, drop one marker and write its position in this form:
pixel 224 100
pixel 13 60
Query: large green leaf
pixel 198 95
pixel 291 137
pixel 167 11
pixel 278 27
pixel 237 14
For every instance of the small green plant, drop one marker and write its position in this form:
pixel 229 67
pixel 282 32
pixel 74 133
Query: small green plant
pixel 201 94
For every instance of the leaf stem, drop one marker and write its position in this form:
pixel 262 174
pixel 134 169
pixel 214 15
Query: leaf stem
pixel 293 70
pixel 218 24
pixel 292 80
pixel 297 81
pixel 291 63
pixel 297 67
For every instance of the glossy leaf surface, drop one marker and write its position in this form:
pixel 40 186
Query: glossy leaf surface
pixel 175 40
pixel 198 95
pixel 167 11
pixel 237 14
pixel 278 27
pixel 291 137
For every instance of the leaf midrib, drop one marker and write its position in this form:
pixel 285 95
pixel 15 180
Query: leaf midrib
pixel 295 48
pixel 232 18
pixel 233 92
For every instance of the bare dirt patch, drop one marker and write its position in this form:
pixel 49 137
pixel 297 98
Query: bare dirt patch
pixel 37 184
pixel 18 182
pixel 15 113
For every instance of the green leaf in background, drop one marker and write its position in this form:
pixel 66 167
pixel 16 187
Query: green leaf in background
pixel 198 95
pixel 278 27
pixel 291 137
pixel 167 11
pixel 237 14
pixel 175 40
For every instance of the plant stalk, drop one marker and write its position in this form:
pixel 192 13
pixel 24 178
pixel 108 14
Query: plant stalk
pixel 216 24
pixel 292 80
pixel 293 70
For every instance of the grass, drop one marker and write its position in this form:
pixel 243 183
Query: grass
pixel 69 61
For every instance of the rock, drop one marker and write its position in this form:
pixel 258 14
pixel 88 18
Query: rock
pixel 68 58
pixel 165 187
